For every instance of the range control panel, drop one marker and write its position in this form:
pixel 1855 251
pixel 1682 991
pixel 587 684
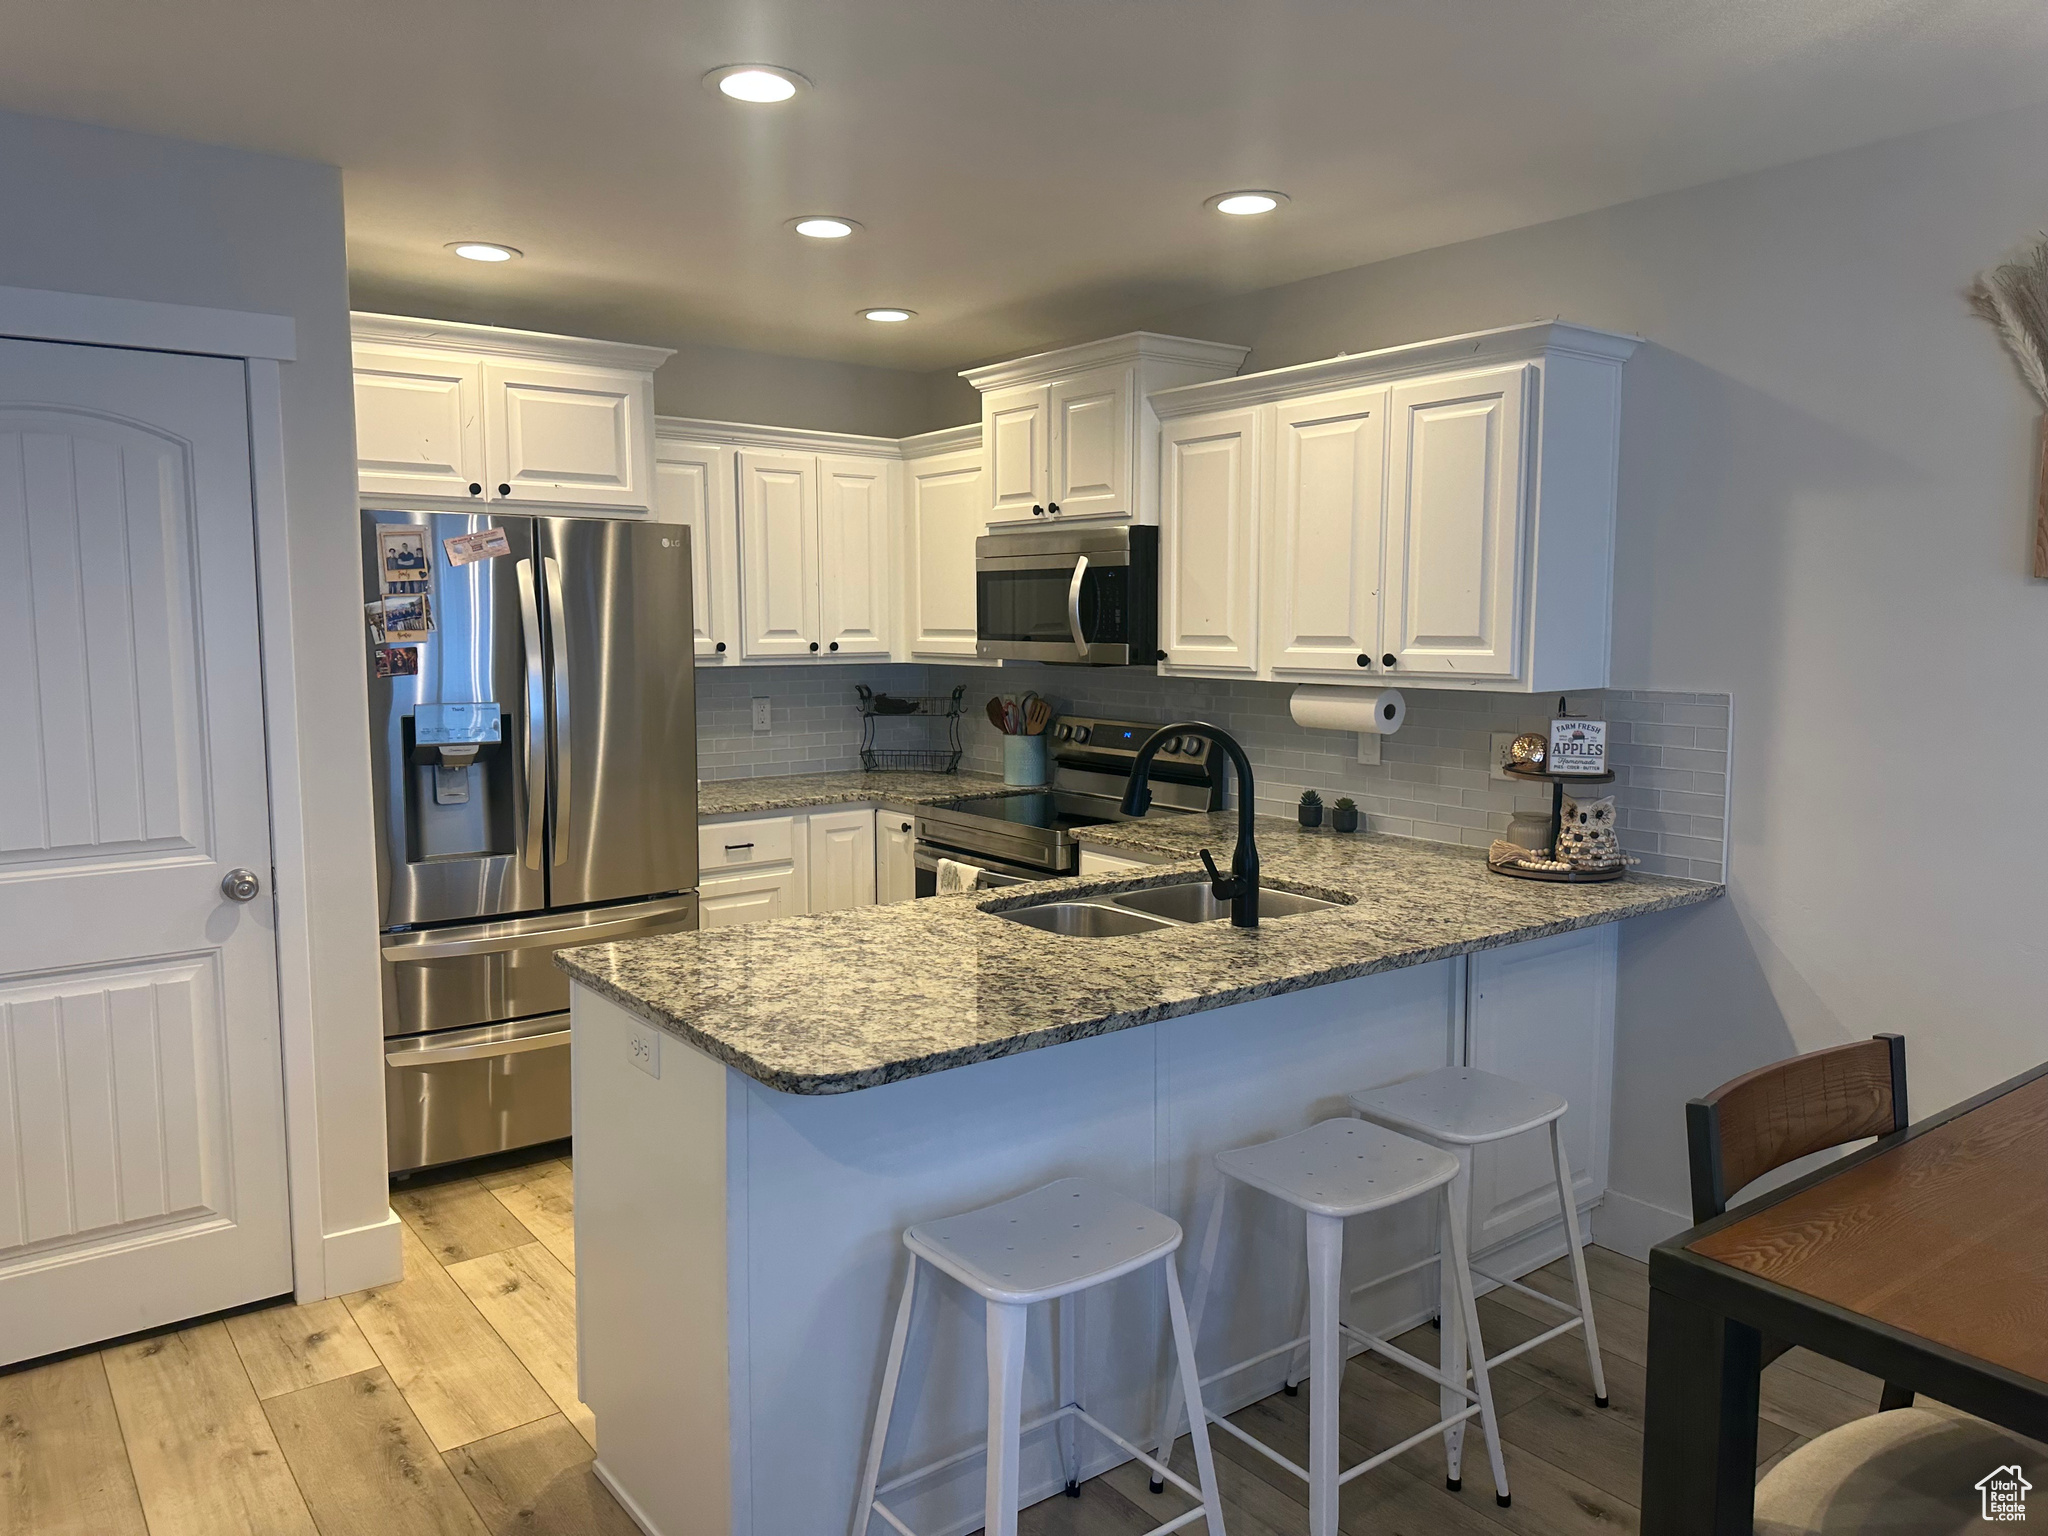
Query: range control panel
pixel 1078 736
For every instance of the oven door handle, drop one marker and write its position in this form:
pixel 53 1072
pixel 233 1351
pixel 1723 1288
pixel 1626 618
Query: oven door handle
pixel 1074 605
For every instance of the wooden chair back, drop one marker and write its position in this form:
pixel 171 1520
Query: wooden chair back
pixel 1767 1118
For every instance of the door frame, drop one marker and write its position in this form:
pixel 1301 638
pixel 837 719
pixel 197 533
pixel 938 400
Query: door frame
pixel 262 343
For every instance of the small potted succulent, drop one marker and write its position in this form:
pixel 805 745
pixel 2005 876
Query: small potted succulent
pixel 1310 811
pixel 1344 815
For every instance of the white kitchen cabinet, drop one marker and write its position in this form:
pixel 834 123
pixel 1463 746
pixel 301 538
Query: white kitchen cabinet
pixel 1454 525
pixel 842 859
pixel 855 584
pixel 778 500
pixel 1208 542
pixel 1069 434
pixel 693 485
pixel 452 413
pixel 1328 503
pixel 945 511
pixel 895 856
pixel 759 896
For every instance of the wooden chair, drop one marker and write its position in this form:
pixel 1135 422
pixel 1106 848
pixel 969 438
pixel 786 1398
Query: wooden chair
pixel 1767 1118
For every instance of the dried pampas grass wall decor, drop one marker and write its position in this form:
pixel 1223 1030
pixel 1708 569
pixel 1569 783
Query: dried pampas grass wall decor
pixel 2014 297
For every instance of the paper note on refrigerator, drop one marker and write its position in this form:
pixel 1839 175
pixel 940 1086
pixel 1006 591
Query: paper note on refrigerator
pixel 468 548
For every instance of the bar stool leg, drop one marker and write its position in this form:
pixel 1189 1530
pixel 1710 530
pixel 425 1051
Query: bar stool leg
pixel 1006 1335
pixel 864 1511
pixel 1468 1310
pixel 1451 1317
pixel 1067 1389
pixel 1571 1236
pixel 1205 1267
pixel 1326 1369
pixel 1191 1390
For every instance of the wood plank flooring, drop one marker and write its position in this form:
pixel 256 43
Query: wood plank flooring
pixel 445 1405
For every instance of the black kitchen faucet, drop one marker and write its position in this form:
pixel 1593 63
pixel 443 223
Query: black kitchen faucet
pixel 1241 886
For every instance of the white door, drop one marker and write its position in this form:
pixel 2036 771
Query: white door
pixel 693 486
pixel 1454 530
pixel 419 423
pixel 948 512
pixel 568 436
pixel 778 553
pixel 1208 529
pixel 1091 445
pixel 142 1148
pixel 1014 423
pixel 1329 501
pixel 895 856
pixel 853 556
pixel 757 898
pixel 842 860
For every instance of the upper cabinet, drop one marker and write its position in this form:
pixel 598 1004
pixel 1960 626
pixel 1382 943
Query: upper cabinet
pixel 693 485
pixel 475 414
pixel 1438 515
pixel 1069 435
pixel 946 502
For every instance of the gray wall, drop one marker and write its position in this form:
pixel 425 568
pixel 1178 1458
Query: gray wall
pixel 91 210
pixel 1827 486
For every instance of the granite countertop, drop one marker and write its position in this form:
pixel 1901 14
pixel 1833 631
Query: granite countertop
pixel 848 1000
pixel 797 791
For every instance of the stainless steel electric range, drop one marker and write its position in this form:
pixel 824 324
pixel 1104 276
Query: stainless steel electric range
pixel 1031 836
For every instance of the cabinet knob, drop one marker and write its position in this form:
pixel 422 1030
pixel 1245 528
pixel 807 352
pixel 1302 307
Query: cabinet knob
pixel 504 490
pixel 475 489
pixel 906 826
pixel 835 646
pixel 1159 655
pixel 1037 511
pixel 720 647
pixel 1388 659
pixel 1364 661
pixel 814 645
pixel 1053 507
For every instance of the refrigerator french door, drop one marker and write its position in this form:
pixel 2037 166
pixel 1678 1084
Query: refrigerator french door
pixel 535 787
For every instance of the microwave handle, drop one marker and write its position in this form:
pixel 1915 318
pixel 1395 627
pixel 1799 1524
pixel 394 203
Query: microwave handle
pixel 1074 604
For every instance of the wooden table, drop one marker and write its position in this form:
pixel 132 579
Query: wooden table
pixel 1922 1259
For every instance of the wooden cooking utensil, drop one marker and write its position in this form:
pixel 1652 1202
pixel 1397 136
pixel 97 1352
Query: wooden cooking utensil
pixel 1037 717
pixel 998 717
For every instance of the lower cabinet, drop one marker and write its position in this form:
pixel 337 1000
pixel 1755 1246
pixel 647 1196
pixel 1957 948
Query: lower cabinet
pixel 759 868
pixel 1093 863
pixel 751 898
pixel 842 849
pixel 895 856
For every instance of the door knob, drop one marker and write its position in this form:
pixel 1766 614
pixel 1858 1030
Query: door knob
pixel 1364 660
pixel 1037 511
pixel 721 647
pixel 814 645
pixel 240 885
pixel 504 490
pixel 835 645
pixel 1053 507
pixel 1389 659
pixel 475 489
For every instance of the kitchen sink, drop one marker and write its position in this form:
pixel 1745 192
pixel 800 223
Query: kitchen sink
pixel 1194 902
pixel 1086 919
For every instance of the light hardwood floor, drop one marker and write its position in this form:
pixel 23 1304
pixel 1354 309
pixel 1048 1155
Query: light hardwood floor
pixel 445 1405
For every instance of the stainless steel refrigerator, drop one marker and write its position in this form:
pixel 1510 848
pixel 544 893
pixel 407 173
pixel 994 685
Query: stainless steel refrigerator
pixel 536 788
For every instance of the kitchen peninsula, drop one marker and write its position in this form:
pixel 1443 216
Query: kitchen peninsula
pixel 761 1110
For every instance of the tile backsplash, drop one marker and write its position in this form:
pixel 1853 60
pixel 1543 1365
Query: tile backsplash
pixel 1669 750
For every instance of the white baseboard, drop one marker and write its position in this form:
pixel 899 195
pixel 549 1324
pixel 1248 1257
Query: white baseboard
pixel 1633 1227
pixel 633 1511
pixel 361 1257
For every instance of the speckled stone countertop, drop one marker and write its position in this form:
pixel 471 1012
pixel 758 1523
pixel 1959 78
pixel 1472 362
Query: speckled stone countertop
pixel 847 1000
pixel 798 791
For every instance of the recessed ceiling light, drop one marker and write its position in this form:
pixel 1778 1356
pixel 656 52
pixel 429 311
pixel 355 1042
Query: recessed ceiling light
pixel 1244 204
pixel 483 250
pixel 756 82
pixel 888 315
pixel 824 226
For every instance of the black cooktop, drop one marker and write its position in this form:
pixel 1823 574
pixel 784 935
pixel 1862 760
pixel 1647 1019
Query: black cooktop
pixel 1048 809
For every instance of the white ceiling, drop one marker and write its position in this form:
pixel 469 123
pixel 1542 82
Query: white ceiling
pixel 1028 171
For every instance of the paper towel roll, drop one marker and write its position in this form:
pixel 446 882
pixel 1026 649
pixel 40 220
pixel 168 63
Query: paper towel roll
pixel 1369 711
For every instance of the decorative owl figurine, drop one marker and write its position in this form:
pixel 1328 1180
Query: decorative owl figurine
pixel 1585 835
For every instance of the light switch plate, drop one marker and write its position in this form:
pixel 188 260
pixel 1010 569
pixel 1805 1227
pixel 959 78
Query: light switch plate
pixel 643 1048
pixel 1368 747
pixel 762 720
pixel 1498 743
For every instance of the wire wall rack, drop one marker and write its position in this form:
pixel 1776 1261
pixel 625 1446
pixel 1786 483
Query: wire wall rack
pixel 923 752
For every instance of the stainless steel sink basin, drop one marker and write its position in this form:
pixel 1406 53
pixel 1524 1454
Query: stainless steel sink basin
pixel 1086 919
pixel 1195 903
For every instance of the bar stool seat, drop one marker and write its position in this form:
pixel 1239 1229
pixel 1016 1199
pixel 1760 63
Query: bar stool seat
pixel 1044 1244
pixel 1462 1105
pixel 1341 1168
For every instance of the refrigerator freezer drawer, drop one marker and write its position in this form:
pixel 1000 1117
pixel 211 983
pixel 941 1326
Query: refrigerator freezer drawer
pixel 475 1091
pixel 486 973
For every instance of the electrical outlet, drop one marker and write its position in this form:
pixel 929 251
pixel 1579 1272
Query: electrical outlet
pixel 762 718
pixel 1368 746
pixel 1498 744
pixel 643 1048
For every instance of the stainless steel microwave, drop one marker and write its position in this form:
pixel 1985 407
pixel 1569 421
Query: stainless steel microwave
pixel 1087 596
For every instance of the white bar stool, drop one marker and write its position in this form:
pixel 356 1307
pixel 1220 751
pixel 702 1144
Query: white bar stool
pixel 1334 1170
pixel 1457 1109
pixel 1048 1245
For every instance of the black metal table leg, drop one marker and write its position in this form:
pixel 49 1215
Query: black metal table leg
pixel 1699 1422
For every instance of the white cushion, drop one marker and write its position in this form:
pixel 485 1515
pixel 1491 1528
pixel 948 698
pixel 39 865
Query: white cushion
pixel 1910 1472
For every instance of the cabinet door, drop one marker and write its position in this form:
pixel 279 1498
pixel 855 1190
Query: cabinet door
pixel 895 856
pixel 1454 530
pixel 778 553
pixel 1543 1013
pixel 569 436
pixel 419 423
pixel 1329 504
pixel 842 860
pixel 1091 445
pixel 693 486
pixel 1208 554
pixel 737 899
pixel 853 556
pixel 948 511
pixel 1014 426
